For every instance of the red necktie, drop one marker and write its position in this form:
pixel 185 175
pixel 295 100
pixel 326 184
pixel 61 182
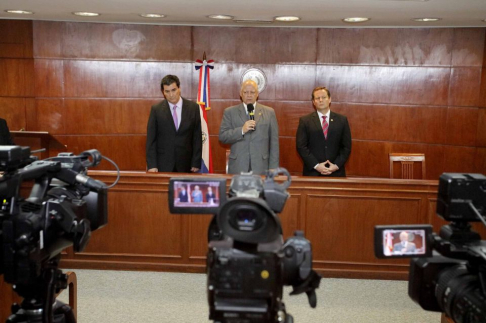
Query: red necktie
pixel 325 126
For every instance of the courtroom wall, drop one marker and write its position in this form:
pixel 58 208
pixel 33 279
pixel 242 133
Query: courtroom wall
pixel 413 90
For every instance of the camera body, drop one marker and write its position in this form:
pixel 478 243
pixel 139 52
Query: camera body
pixel 447 270
pixel 63 207
pixel 248 261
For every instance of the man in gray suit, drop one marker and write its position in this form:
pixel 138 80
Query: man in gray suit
pixel 405 246
pixel 252 131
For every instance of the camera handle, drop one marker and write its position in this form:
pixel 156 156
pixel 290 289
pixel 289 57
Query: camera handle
pixel 271 174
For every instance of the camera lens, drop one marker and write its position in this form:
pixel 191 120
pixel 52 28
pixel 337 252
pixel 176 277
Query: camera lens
pixel 246 216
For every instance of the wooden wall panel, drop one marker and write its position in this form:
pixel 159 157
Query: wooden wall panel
pixel 461 127
pixel 480 161
pixel 251 45
pixel 324 211
pixel 468 47
pixel 50 116
pixel 419 124
pixel 16 77
pixel 49 78
pixel 465 86
pixel 481 134
pixel 48 37
pixel 122 79
pixel 16 40
pixel 459 159
pixel 107 116
pixel 128 151
pixel 383 84
pixel 150 220
pixel 13 110
pixel 367 46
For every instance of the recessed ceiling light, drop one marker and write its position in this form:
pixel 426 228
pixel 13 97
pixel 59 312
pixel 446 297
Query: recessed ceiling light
pixel 287 18
pixel 152 15
pixel 20 12
pixel 356 19
pixel 86 14
pixel 426 19
pixel 222 17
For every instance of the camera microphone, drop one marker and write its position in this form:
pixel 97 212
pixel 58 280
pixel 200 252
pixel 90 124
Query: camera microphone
pixel 251 111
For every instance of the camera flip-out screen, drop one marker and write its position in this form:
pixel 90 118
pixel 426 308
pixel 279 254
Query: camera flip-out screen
pixel 196 195
pixel 403 241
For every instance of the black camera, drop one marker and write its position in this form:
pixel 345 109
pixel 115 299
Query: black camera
pixel 63 207
pixel 447 270
pixel 248 262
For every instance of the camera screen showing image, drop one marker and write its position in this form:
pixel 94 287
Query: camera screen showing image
pixel 189 195
pixel 402 241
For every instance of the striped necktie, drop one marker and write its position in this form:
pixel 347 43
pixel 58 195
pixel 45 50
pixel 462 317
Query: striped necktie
pixel 325 126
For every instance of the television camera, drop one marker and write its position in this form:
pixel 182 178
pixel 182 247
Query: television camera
pixel 447 270
pixel 63 207
pixel 248 261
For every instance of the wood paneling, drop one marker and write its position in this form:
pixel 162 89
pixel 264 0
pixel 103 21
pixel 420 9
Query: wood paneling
pixel 465 86
pixel 480 161
pixel 148 220
pixel 468 47
pixel 16 40
pixel 49 78
pixel 481 134
pixel 13 110
pixel 17 77
pixel 461 129
pixel 336 215
pixel 128 151
pixel 406 47
pixel 384 84
pixel 50 116
pixel 251 45
pixel 122 79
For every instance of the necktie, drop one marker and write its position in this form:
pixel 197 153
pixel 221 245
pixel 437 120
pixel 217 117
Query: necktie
pixel 325 126
pixel 174 115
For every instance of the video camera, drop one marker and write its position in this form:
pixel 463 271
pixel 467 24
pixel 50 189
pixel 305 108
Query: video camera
pixel 447 271
pixel 63 207
pixel 248 262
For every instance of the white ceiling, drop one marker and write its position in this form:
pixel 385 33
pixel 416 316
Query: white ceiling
pixel 313 13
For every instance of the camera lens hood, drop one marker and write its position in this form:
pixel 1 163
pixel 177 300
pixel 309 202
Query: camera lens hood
pixel 249 220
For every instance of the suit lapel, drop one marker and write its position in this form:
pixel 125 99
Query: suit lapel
pixel 332 125
pixel 184 114
pixel 316 122
pixel 242 113
pixel 258 112
pixel 167 113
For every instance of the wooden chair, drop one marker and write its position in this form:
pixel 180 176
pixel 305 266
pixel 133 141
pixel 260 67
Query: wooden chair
pixel 73 292
pixel 407 166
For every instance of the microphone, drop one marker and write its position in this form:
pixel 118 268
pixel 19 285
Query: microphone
pixel 251 111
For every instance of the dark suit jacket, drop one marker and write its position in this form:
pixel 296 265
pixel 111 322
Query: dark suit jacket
pixel 315 149
pixel 168 149
pixel 5 138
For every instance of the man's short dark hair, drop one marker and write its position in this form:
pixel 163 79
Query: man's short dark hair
pixel 320 88
pixel 168 80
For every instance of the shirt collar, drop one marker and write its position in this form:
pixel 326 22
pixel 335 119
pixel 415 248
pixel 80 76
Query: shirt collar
pixel 328 115
pixel 179 104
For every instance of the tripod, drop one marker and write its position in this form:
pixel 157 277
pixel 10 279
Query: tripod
pixel 39 294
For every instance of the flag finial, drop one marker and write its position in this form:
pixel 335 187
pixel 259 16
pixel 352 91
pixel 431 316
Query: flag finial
pixel 204 56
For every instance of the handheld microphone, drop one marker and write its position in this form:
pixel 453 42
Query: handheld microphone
pixel 251 111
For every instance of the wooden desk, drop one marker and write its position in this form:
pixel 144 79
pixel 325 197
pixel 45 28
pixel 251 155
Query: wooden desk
pixel 337 216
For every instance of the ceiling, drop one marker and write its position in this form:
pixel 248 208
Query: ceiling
pixel 313 13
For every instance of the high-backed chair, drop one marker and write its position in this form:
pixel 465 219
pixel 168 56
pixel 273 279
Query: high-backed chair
pixel 407 166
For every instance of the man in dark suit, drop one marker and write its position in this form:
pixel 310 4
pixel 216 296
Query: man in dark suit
pixel 5 138
pixel 183 197
pixel 174 137
pixel 323 138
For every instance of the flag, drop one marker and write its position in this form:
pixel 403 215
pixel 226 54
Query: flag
pixel 203 101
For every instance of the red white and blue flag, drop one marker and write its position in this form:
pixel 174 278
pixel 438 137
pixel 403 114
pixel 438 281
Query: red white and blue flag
pixel 203 101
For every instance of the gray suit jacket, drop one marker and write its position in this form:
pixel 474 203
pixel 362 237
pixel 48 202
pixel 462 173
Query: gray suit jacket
pixel 259 146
